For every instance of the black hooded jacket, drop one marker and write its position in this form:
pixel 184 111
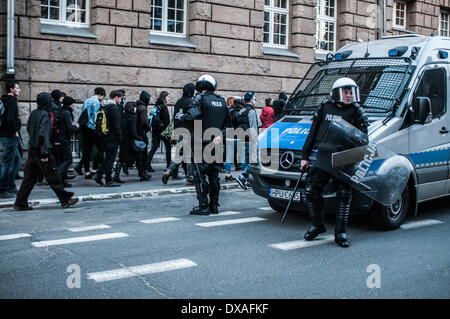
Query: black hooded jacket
pixel 10 118
pixel 39 125
pixel 142 115
pixel 278 105
pixel 182 105
pixel 66 128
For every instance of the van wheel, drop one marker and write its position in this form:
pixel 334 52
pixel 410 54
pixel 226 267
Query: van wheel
pixel 276 207
pixel 390 217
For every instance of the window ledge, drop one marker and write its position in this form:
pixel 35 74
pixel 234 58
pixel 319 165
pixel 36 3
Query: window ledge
pixel 403 30
pixel 171 41
pixel 279 52
pixel 67 31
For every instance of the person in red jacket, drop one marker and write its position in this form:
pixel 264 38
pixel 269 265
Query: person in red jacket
pixel 267 115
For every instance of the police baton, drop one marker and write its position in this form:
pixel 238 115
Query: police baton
pixel 293 193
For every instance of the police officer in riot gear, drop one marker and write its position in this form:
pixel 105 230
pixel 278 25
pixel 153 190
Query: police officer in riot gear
pixel 212 110
pixel 342 106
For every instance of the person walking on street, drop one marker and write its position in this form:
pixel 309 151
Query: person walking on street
pixel 213 112
pixel 342 106
pixel 159 124
pixel 40 157
pixel 107 131
pixel 9 136
pixel 267 115
pixel 180 109
pixel 87 130
pixel 63 142
pixel 128 152
pixel 248 120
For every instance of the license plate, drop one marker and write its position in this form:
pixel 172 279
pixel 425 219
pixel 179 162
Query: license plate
pixel 284 194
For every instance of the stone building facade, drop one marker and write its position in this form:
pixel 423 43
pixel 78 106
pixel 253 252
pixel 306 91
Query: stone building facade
pixel 260 45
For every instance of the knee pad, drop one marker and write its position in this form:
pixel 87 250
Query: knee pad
pixel 311 193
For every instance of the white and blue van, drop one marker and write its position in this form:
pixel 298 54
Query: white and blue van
pixel 405 91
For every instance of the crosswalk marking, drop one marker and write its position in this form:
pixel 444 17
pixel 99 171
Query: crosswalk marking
pixel 14 236
pixel 226 213
pixel 86 228
pixel 231 221
pixel 77 239
pixel 420 223
pixel 141 270
pixel 290 245
pixel 159 220
pixel 266 208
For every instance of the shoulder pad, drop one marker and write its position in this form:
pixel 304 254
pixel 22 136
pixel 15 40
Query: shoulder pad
pixel 326 101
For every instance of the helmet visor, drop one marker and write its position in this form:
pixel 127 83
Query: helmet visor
pixel 346 95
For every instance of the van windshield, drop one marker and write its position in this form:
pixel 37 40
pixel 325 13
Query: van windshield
pixel 381 82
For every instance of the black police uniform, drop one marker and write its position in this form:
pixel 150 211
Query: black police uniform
pixel 213 112
pixel 317 179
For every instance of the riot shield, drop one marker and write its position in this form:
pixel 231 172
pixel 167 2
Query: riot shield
pixel 369 167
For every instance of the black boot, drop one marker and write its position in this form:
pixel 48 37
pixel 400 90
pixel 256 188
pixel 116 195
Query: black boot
pixel 340 232
pixel 143 176
pixel 166 176
pixel 202 196
pixel 116 177
pixel 317 225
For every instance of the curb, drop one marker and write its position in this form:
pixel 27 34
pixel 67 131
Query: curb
pixel 124 195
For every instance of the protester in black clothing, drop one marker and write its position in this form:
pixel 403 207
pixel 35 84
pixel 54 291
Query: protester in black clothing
pixel 159 124
pixel 213 112
pixel 278 105
pixel 40 157
pixel 63 149
pixel 9 136
pixel 343 106
pixel 180 108
pixel 108 141
pixel 128 154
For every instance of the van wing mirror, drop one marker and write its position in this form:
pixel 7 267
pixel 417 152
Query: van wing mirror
pixel 422 110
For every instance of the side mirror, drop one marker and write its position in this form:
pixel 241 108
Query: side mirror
pixel 422 110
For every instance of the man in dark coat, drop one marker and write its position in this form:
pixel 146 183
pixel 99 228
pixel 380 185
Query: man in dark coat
pixel 9 136
pixel 278 105
pixel 63 142
pixel 40 157
pixel 180 108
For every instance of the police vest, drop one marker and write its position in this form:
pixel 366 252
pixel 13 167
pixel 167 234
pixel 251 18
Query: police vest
pixel 242 118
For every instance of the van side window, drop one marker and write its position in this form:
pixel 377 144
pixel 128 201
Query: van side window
pixel 433 85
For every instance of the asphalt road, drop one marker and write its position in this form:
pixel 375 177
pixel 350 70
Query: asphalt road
pixel 153 248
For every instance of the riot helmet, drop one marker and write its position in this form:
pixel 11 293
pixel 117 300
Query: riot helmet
pixel 206 82
pixel 341 88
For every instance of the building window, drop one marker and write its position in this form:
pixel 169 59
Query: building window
pixel 399 19
pixel 326 26
pixel 276 23
pixel 65 12
pixel 168 17
pixel 443 23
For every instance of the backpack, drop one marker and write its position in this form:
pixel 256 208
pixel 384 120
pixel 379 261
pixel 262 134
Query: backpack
pixel 2 111
pixel 154 120
pixel 101 122
pixel 56 111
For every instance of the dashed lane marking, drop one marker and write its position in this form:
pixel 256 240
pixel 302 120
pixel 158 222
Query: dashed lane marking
pixel 86 228
pixel 420 223
pixel 297 244
pixel 77 239
pixel 14 236
pixel 266 208
pixel 226 213
pixel 141 270
pixel 231 221
pixel 159 220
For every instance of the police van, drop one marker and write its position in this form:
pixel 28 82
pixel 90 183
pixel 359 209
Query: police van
pixel 404 90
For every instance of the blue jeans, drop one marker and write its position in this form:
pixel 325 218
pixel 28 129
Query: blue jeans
pixel 232 145
pixel 10 163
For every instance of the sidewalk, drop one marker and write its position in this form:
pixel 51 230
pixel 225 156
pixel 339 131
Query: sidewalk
pixel 89 190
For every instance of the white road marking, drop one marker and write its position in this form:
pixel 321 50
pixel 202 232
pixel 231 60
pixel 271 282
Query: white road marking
pixel 266 208
pixel 86 228
pixel 77 239
pixel 226 213
pixel 159 220
pixel 420 223
pixel 290 245
pixel 231 221
pixel 141 270
pixel 14 236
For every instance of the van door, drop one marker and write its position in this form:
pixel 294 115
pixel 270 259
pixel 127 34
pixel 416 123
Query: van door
pixel 429 143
